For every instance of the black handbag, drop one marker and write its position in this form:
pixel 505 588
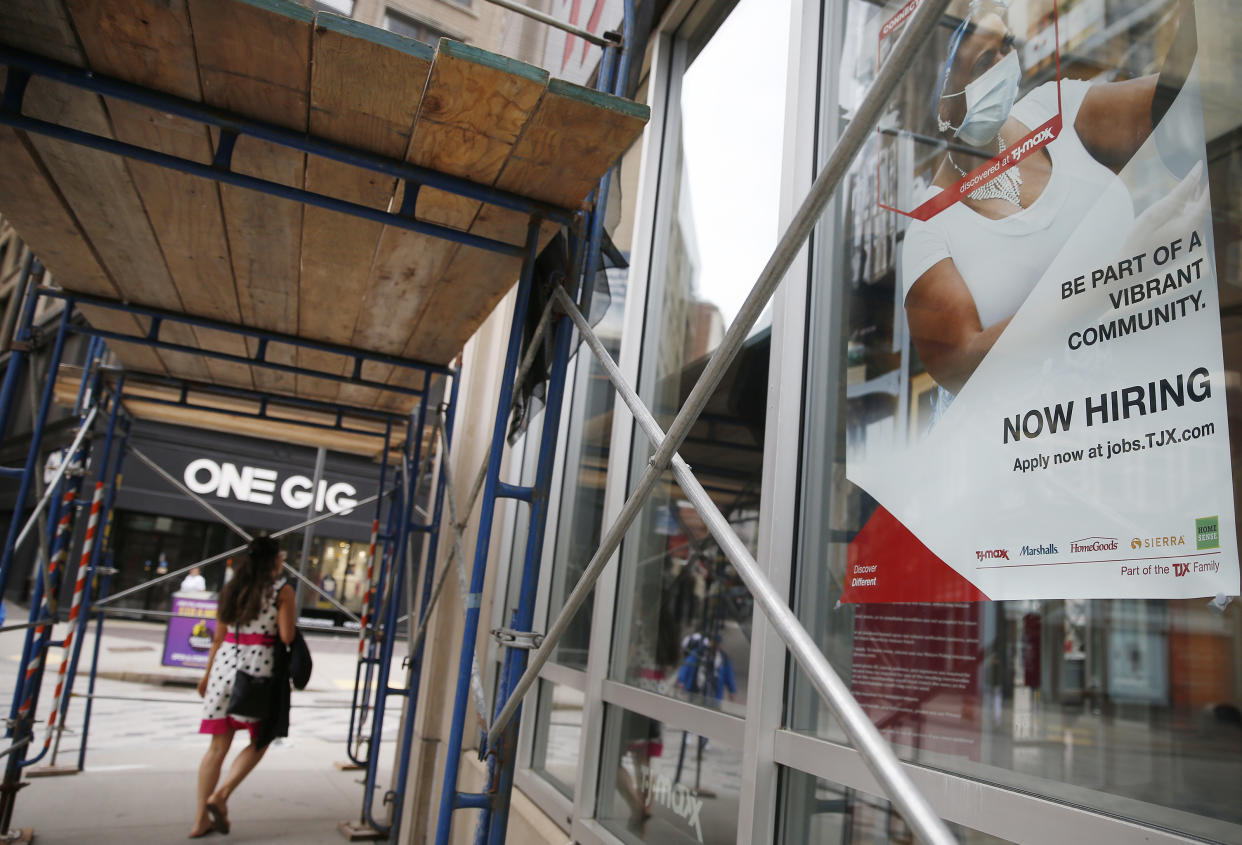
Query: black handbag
pixel 300 662
pixel 252 695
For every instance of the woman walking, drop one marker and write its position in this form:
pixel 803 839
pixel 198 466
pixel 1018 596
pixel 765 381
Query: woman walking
pixel 254 620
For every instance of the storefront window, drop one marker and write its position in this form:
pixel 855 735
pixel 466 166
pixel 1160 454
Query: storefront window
pixel 586 472
pixel 683 620
pixel 338 567
pixel 659 784
pixel 147 546
pixel 1125 702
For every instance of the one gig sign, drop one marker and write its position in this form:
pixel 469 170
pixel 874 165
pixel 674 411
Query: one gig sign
pixel 261 486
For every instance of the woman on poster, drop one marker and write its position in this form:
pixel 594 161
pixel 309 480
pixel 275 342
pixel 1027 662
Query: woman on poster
pixel 968 268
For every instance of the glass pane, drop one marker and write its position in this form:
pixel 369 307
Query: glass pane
pixel 683 622
pixel 586 472
pixel 1126 705
pixel 529 453
pixel 659 784
pixel 558 727
pixel 687 613
pixel 818 810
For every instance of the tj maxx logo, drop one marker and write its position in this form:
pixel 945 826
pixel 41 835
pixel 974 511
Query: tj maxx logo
pixel 258 486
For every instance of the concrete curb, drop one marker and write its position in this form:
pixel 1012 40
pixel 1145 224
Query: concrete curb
pixel 158 679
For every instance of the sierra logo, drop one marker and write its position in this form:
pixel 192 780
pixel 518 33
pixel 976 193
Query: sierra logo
pixel 1093 544
pixel 993 554
pixel 1045 549
pixel 1158 542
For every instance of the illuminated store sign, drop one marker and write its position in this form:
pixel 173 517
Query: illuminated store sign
pixel 260 486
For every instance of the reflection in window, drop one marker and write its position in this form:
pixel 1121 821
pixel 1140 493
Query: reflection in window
pixel 558 728
pixel 683 626
pixel 662 785
pixel 586 473
pixel 1130 706
pixel 818 810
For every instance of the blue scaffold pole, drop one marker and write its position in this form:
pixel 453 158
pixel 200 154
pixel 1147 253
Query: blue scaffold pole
pixel 27 285
pixel 450 798
pixel 494 820
pixel 359 704
pixel 416 660
pixel 104 575
pixel 104 485
pixel 392 610
pixel 32 454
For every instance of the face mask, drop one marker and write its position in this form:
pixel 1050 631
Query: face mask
pixel 989 99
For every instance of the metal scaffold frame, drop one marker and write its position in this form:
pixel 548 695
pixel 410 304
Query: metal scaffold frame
pixel 393 564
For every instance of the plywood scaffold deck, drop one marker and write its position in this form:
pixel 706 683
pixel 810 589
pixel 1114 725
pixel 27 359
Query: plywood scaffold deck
pixel 133 231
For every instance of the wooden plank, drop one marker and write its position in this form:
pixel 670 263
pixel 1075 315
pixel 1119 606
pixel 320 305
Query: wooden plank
pixel 336 441
pixel 95 186
pixel 254 59
pixel 572 139
pixel 348 107
pixel 38 212
pixel 149 43
pixel 472 114
pixel 576 136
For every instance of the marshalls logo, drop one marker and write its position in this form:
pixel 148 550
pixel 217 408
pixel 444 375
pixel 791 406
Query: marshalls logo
pixel 1045 549
pixel 1207 533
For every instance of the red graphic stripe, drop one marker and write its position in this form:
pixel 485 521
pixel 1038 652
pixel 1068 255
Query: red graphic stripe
pixel 887 563
pixel 1046 133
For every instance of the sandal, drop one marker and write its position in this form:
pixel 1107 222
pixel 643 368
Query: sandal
pixel 219 817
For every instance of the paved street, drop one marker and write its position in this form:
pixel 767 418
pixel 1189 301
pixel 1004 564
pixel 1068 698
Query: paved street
pixel 143 750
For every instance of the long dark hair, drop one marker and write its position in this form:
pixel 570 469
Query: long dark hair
pixel 243 597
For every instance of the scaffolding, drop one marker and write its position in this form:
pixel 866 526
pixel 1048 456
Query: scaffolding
pixel 405 531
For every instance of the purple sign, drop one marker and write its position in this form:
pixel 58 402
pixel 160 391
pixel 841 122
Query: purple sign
pixel 187 641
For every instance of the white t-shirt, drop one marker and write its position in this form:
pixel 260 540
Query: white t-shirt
pixel 1002 260
pixel 192 583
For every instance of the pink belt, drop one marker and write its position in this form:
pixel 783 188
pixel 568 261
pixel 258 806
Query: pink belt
pixel 250 639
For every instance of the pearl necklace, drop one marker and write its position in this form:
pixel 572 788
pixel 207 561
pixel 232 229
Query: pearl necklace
pixel 1003 187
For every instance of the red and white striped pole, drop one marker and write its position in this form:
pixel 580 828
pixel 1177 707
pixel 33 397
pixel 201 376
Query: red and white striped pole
pixel 367 590
pixel 59 706
pixel 61 544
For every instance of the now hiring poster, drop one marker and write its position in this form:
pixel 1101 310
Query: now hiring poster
pixel 1066 435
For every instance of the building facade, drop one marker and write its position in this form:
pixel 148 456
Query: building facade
pixel 671 712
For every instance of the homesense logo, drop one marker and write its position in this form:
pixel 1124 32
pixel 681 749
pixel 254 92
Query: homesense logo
pixel 1207 533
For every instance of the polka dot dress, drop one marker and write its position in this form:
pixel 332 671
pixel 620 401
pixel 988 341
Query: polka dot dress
pixel 250 655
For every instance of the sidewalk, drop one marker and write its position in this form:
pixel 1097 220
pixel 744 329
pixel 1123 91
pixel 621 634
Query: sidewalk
pixel 143 756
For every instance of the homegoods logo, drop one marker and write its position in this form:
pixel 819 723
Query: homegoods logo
pixel 1093 544
pixel 260 485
